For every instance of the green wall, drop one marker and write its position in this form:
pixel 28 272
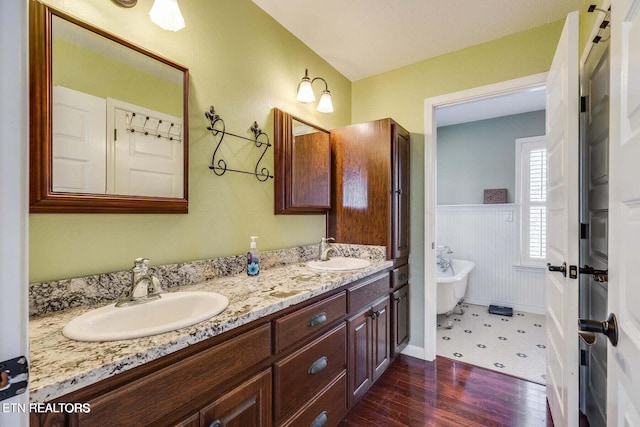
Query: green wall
pixel 479 155
pixel 240 61
pixel 85 70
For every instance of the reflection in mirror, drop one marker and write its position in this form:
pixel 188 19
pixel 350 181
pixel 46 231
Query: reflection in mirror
pixel 302 170
pixel 112 134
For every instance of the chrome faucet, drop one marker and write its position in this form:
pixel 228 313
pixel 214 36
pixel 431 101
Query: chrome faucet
pixel 145 287
pixel 326 248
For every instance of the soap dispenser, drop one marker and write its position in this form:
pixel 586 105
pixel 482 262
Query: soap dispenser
pixel 253 258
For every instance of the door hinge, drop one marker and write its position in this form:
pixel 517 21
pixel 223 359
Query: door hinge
pixel 583 358
pixel 14 377
pixel 584 230
pixel 583 104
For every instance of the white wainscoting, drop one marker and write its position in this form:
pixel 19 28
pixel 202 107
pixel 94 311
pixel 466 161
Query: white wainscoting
pixel 485 235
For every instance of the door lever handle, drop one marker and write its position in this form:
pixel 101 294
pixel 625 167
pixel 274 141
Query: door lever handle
pixel 598 275
pixel 608 327
pixel 562 268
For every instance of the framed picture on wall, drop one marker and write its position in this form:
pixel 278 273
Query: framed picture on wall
pixel 495 195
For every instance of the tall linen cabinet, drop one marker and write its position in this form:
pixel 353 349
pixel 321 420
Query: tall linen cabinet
pixel 370 206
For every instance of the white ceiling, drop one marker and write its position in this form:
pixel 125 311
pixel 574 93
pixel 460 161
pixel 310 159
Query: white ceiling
pixel 361 38
pixel 522 101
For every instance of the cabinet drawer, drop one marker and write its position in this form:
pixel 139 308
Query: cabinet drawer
pixel 300 376
pixel 364 293
pixel 326 410
pixel 152 397
pixel 306 321
pixel 400 276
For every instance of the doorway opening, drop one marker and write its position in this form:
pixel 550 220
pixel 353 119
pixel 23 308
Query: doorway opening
pixel 466 152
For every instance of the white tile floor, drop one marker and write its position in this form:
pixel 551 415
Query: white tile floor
pixel 512 345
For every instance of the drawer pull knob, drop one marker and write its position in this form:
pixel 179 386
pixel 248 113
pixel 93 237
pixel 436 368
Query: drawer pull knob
pixel 398 299
pixel 320 420
pixel 216 423
pixel 402 277
pixel 318 365
pixel 318 319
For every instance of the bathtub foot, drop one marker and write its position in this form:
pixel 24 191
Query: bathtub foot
pixel 458 309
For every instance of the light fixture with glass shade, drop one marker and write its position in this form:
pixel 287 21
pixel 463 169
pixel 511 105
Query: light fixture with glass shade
pixel 166 14
pixel 305 93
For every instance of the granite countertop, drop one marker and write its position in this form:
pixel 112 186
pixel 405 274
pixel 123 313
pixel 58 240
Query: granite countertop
pixel 59 365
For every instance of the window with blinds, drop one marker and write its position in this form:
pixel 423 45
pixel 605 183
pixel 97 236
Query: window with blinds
pixel 532 198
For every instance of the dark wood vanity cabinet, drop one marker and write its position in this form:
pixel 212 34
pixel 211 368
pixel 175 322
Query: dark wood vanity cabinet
pixel 305 365
pixel 368 334
pixel 370 186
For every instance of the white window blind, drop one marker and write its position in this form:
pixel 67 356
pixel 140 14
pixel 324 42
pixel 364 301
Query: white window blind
pixel 532 177
pixel 537 203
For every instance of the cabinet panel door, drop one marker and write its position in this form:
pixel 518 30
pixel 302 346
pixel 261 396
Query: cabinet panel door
pixel 400 197
pixel 360 377
pixel 380 342
pixel 248 405
pixel 400 327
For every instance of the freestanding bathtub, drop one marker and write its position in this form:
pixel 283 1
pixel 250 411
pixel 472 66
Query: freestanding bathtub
pixel 452 284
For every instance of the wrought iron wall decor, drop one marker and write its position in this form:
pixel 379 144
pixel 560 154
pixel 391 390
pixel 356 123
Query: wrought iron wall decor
pixel 217 129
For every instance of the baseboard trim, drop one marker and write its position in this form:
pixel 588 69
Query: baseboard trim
pixel 414 351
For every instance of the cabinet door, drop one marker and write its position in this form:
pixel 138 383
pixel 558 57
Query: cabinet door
pixel 248 405
pixel 400 196
pixel 380 340
pixel 400 326
pixel 360 377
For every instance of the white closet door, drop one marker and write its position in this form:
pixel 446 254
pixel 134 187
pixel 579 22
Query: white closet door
pixel 79 142
pixel 562 227
pixel 623 361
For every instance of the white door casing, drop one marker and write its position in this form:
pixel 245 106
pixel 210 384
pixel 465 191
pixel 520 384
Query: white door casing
pixel 562 120
pixel 623 361
pixel 79 142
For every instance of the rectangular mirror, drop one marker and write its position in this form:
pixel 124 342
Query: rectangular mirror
pixel 109 129
pixel 302 169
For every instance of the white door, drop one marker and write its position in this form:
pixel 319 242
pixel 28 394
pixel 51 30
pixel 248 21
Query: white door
pixel 79 142
pixel 14 195
pixel 562 120
pixel 148 157
pixel 623 376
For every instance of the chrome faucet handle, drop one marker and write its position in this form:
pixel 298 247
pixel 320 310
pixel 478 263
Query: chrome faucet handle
pixel 326 239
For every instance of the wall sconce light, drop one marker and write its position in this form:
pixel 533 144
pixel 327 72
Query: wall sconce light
pixel 125 3
pixel 305 93
pixel 166 15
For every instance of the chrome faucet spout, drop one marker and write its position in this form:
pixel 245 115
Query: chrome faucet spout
pixel 326 248
pixel 144 286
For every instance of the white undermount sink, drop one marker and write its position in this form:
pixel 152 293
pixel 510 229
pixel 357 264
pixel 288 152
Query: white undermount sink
pixel 170 312
pixel 339 264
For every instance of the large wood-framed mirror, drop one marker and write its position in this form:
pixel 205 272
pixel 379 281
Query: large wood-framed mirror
pixel 302 166
pixel 109 121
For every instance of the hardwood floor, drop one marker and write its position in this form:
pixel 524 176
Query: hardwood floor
pixel 446 392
